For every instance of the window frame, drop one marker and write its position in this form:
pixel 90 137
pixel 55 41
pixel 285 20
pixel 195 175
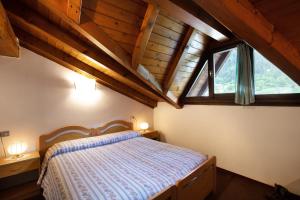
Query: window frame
pixel 292 99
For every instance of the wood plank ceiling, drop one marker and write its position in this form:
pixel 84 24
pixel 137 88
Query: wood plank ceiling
pixel 9 45
pixel 147 50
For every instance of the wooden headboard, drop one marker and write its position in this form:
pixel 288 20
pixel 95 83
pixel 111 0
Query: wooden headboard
pixel 76 132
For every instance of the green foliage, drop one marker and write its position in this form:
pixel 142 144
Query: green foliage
pixel 268 78
pixel 225 77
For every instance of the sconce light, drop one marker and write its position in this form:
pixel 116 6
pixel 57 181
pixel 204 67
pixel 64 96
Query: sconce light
pixel 144 126
pixel 17 149
pixel 83 85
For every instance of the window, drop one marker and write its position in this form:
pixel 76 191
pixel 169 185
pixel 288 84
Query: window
pixel 269 79
pixel 225 71
pixel 200 86
pixel 215 83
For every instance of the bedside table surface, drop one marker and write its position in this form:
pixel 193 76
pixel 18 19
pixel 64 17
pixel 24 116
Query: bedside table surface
pixel 25 157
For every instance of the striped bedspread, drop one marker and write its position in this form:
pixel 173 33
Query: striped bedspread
pixel 130 167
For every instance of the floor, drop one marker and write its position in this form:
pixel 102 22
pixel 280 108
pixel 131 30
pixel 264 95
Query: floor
pixel 231 186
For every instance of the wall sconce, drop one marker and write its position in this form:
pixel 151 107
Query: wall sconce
pixel 144 126
pixel 83 85
pixel 17 149
pixel 85 90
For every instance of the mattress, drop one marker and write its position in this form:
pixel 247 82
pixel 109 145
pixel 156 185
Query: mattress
pixel 117 166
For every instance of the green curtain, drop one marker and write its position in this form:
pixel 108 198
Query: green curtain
pixel 244 76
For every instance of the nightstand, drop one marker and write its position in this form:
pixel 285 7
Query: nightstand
pixel 13 166
pixel 151 134
pixel 18 177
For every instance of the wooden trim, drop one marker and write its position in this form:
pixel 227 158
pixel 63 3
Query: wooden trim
pixel 217 46
pixel 76 132
pixel 9 44
pixel 211 76
pixel 290 100
pixel 278 100
pixel 193 78
pixel 47 51
pixel 181 14
pixel 178 58
pixel 144 35
pixel 114 126
pixel 249 24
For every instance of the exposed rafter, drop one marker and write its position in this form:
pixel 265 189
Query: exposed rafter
pixel 201 14
pixel 193 20
pixel 178 58
pixel 249 24
pixel 99 38
pixel 27 20
pixel 144 35
pixel 74 10
pixel 42 48
pixel 9 45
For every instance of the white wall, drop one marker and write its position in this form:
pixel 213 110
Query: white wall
pixel 262 143
pixel 37 96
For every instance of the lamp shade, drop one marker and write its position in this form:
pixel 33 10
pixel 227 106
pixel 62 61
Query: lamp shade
pixel 144 125
pixel 17 148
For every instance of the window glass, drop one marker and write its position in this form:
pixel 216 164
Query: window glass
pixel 200 86
pixel 268 79
pixel 225 71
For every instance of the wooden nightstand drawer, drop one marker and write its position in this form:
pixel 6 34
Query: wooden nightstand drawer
pixel 19 167
pixel 151 135
pixel 10 166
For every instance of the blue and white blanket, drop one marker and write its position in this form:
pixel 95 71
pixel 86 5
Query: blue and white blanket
pixel 115 166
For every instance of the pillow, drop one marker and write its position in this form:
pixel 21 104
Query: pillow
pixel 85 143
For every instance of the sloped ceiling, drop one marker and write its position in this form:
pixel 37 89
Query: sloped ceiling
pixel 105 38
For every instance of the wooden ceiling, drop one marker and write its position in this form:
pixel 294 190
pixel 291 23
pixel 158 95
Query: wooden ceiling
pixel 112 41
pixel 284 15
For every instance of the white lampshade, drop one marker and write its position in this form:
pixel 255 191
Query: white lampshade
pixel 144 125
pixel 17 148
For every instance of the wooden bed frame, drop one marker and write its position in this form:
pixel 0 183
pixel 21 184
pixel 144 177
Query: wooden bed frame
pixel 196 185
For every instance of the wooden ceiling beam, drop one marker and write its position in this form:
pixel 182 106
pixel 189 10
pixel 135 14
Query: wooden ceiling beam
pixel 89 29
pixel 250 25
pixel 94 34
pixel 9 45
pixel 26 19
pixel 74 10
pixel 144 34
pixel 198 12
pixel 178 58
pixel 42 48
pixel 198 20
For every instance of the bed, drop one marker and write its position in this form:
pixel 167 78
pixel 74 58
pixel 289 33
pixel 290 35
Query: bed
pixel 115 162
